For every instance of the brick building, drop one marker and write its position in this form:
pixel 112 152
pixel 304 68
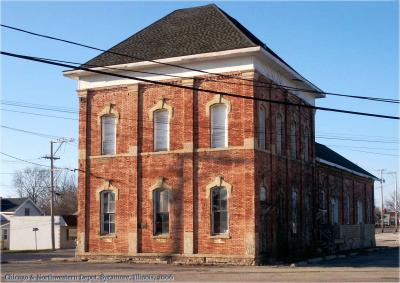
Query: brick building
pixel 194 176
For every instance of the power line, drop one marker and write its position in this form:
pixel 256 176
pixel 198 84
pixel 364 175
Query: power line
pixel 29 132
pixel 269 84
pixel 24 160
pixel 331 135
pixel 151 128
pixel 46 61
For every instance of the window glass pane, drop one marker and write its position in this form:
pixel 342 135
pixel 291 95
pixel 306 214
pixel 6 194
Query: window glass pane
pixel 164 201
pixel 219 129
pixel 111 207
pixel 108 134
pixel 106 218
pixel 216 223
pixel 224 222
pixel 106 229
pixel 112 228
pixel 161 130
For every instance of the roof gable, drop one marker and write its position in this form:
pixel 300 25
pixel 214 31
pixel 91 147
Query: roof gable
pixel 11 204
pixel 327 154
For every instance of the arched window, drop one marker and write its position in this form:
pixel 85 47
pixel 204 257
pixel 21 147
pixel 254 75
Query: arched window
pixel 306 144
pixel 161 211
pixel 161 130
pixel 279 134
pixel 107 207
pixel 262 114
pixel 347 210
pixel 334 211
pixel 219 210
pixel 219 125
pixel 293 140
pixel 263 194
pixel 294 211
pixel 108 134
pixel 360 212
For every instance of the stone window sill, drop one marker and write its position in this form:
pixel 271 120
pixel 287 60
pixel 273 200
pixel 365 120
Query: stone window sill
pixel 220 236
pixel 164 236
pixel 108 236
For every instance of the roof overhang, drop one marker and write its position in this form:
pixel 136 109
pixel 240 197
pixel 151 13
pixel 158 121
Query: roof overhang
pixel 323 161
pixel 256 51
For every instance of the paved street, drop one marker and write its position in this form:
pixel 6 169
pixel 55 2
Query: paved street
pixel 376 266
pixel 40 255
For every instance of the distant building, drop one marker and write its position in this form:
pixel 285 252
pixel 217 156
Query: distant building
pixel 14 207
pixel 24 228
pixel 198 176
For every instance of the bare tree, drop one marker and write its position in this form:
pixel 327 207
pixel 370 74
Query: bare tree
pixel 389 203
pixel 35 183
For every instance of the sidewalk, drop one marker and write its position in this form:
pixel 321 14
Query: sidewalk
pixel 388 239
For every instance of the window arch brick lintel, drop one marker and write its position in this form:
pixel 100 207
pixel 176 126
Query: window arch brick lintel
pixel 160 183
pixel 218 99
pixel 161 104
pixel 219 182
pixel 106 186
pixel 108 110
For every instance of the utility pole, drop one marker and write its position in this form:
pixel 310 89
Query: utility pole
pixel 382 218
pixel 396 208
pixel 52 158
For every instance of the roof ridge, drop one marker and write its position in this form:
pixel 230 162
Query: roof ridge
pixel 230 21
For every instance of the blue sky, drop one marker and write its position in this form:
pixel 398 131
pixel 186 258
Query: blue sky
pixel 342 47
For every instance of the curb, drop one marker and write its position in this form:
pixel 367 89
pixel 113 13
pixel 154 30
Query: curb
pixel 331 257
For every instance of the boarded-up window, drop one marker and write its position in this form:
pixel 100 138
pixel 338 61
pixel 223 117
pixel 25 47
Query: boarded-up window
pixel 261 128
pixel 161 211
pixel 360 212
pixel 293 141
pixel 334 211
pixel 306 144
pixel 279 134
pixel 219 125
pixel 108 130
pixel 219 213
pixel 161 130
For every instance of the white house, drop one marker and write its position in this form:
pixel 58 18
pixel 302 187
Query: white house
pixel 14 207
pixel 24 228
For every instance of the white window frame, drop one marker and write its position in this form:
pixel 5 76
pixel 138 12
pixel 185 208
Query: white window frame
pixel 214 143
pixel 102 222
pixel 213 232
pixel 103 134
pixel 155 133
pixel 158 192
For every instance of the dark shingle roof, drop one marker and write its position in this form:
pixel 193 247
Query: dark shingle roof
pixel 183 32
pixel 11 204
pixel 325 153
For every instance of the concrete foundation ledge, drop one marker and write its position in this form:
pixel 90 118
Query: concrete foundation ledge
pixel 178 259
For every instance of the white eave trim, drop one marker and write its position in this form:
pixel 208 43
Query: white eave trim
pixel 74 74
pixel 173 60
pixel 292 72
pixel 345 169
